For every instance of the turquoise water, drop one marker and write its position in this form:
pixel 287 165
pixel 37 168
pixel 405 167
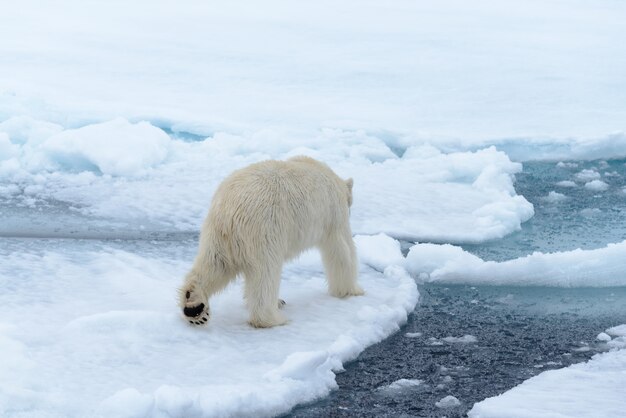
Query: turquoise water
pixel 585 219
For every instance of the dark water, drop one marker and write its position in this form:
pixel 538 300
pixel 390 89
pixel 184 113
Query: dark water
pixel 519 332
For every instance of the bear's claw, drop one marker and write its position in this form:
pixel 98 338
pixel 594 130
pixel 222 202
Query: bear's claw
pixel 200 320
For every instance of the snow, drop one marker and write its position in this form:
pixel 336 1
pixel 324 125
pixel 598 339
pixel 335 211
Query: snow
pixel 603 267
pixel 104 324
pixel 413 71
pixel 591 389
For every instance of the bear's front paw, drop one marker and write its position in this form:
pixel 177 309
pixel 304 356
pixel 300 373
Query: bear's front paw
pixel 196 312
pixel 197 315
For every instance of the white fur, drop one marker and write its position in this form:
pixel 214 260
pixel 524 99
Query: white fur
pixel 260 217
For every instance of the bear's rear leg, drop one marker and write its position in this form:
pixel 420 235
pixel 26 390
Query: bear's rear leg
pixel 261 294
pixel 340 264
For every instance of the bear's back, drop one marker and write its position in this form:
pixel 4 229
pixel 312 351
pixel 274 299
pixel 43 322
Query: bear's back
pixel 297 202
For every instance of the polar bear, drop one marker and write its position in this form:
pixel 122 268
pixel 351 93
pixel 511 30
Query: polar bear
pixel 262 216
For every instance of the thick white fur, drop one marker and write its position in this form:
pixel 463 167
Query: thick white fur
pixel 260 217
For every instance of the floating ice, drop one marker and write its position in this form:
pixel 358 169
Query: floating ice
pixel 413 334
pixel 466 339
pixel 603 336
pixel 401 384
pixel 590 212
pixel 448 402
pixel 596 185
pixel 378 251
pixel 585 390
pixel 587 175
pixel 555 197
pixel 603 267
pixel 564 164
pixel 113 334
pixel 566 183
pixel 619 337
pixel 618 331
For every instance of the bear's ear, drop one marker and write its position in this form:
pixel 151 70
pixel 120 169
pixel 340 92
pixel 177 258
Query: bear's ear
pixel 349 183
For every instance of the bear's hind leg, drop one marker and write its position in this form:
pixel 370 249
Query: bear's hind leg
pixel 261 294
pixel 340 264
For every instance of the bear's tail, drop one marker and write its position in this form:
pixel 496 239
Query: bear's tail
pixel 349 183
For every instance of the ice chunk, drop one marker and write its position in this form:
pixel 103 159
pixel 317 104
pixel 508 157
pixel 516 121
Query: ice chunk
pixel 566 183
pixel 596 185
pixel 118 148
pixel 587 175
pixel 603 267
pixel 585 390
pixel 401 384
pixel 428 258
pixel 448 402
pixel 603 336
pixel 563 164
pixel 464 339
pixel 555 197
pixel 618 331
pixel 457 197
pixel 590 212
pixel 378 251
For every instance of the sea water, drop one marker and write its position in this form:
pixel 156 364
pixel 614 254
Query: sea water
pixel 476 342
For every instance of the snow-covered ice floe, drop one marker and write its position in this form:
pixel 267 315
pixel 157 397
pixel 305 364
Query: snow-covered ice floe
pixel 98 334
pixel 586 390
pixel 602 267
pixel 134 172
pixel 449 264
